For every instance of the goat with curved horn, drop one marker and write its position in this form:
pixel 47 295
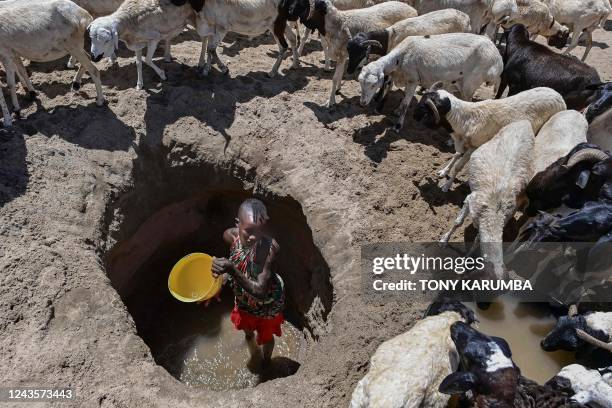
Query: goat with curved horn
pixel 591 155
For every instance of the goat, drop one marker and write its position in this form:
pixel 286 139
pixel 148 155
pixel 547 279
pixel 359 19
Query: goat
pixel 464 59
pixel 602 101
pixel 528 64
pixel 492 378
pixel 381 42
pixel 395 377
pixel 588 385
pixel 251 18
pixel 474 123
pixel 139 24
pixel 337 27
pixel 538 20
pixel 573 179
pixel 498 173
pixel 484 14
pixel 576 331
pixel 581 17
pixel 341 5
pixel 42 31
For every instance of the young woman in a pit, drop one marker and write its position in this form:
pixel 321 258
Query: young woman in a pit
pixel 258 292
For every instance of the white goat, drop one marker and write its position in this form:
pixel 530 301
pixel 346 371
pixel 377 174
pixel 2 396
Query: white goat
pixel 580 16
pixel 406 370
pixel 489 13
pixel 537 18
pixel 339 26
pixel 474 123
pixel 139 24
pixel 558 137
pixel 462 59
pixel 43 31
pixel 341 5
pixel 588 385
pixel 246 17
pixel 498 174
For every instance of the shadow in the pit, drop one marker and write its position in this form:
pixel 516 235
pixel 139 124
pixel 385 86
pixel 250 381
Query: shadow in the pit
pixel 431 191
pixel 214 100
pixel 89 126
pixel 279 367
pixel 232 44
pixel 14 174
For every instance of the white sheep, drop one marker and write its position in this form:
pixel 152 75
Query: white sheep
pixel 139 24
pixel 475 123
pixel 341 5
pixel 43 31
pixel 558 137
pixel 599 131
pixel 381 42
pixel 581 16
pixel 538 19
pixel 406 370
pixel 498 174
pixel 246 17
pixel 339 26
pixel 461 59
pixel 589 386
pixel 484 14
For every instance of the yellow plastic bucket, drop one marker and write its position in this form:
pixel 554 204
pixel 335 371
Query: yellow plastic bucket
pixel 191 279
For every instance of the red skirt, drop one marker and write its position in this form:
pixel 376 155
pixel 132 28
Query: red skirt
pixel 265 327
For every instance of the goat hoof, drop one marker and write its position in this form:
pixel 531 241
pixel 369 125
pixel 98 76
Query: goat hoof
pixel 446 186
pixel 163 76
pixel 101 102
pixel 397 127
pixel 139 87
pixel 76 86
pixel 32 95
pixel 17 114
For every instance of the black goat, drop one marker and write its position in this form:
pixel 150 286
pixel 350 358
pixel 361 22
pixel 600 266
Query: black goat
pixel 584 174
pixel 493 378
pixel 528 65
pixel 602 102
pixel 363 44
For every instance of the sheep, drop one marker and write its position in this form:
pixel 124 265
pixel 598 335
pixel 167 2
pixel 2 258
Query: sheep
pixel 538 20
pixel 247 17
pixel 139 24
pixel 601 102
pixel 341 5
pixel 528 64
pixel 588 385
pixel 573 179
pixel 498 174
pixel 337 27
pixel 563 131
pixel 484 14
pixel 462 58
pixel 491 377
pixel 396 377
pixel 581 16
pixel 599 131
pixel 579 330
pixel 474 123
pixel 382 41
pixel 43 30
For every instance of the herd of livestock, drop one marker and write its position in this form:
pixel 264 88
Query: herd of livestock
pixel 542 149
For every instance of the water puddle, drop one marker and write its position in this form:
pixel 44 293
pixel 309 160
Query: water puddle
pixel 215 355
pixel 523 326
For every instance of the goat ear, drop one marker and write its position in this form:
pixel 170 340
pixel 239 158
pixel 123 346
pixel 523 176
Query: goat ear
pixel 458 383
pixel 503 345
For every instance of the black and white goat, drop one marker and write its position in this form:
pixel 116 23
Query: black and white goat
pixel 492 379
pixel 528 65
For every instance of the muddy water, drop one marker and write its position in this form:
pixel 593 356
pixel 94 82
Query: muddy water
pixel 523 326
pixel 216 357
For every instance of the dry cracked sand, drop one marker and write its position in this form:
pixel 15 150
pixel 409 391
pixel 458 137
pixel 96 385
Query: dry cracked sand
pixel 80 185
